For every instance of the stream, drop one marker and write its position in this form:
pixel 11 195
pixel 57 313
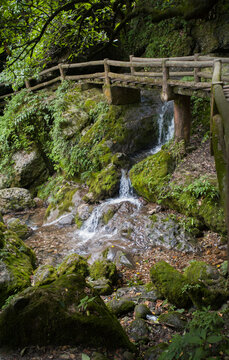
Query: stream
pixel 121 224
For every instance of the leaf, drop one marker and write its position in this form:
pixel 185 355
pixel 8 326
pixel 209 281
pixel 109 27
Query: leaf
pixel 85 357
pixel 212 339
pixel 196 340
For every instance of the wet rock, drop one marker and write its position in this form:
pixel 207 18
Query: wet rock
pixel 44 274
pixel 119 257
pixel 30 168
pixel 19 227
pixel 91 325
pixel 174 319
pixel 73 263
pixel 16 264
pixel 84 211
pixel 15 199
pixel 104 269
pixel 138 331
pixel 102 286
pixel 121 307
pixel 141 311
pixel 74 120
pixel 138 293
pixel 170 283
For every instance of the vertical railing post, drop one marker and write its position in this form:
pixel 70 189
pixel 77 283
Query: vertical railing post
pixel 106 71
pixel 132 70
pixel 27 84
pixel 62 75
pixel 166 90
pixel 196 70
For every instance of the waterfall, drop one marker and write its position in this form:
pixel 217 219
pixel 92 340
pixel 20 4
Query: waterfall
pixel 125 190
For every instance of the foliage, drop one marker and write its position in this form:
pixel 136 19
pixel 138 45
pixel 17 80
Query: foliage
pixel 84 302
pixel 204 339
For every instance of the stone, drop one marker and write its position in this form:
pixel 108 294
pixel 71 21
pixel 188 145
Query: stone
pixel 73 263
pixel 15 199
pixel 121 307
pixel 44 274
pixel 173 318
pixel 104 269
pixel 19 227
pixel 141 311
pixel 102 285
pixel 58 317
pixel 29 168
pixel 138 331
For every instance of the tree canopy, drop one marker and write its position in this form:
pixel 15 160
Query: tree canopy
pixel 34 31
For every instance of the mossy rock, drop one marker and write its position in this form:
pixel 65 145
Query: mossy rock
pixel 121 307
pixel 73 263
pixel 170 283
pixel 206 285
pixel 15 199
pixel 104 269
pixel 59 317
pixel 106 183
pixel 173 318
pixel 107 216
pixel 44 274
pixel 141 311
pixel 20 228
pixel 17 262
pixel 103 286
pixel 150 174
pixel 138 331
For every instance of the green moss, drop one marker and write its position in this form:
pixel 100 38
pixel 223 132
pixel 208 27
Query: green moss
pixel 105 183
pixel 104 269
pixel 44 274
pixel 169 283
pixel 150 174
pixel 73 263
pixel 121 307
pixel 108 216
pixel 78 221
pixel 19 228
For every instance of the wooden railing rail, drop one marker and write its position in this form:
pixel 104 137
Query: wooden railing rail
pixel 156 71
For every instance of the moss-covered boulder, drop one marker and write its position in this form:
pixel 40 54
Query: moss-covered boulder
pixel 141 311
pixel 73 263
pixel 170 283
pixel 105 183
pixel 121 306
pixel 16 264
pixel 173 318
pixel 104 269
pixel 148 176
pixel 206 285
pixel 44 274
pixel 15 199
pixel 66 311
pixel 19 227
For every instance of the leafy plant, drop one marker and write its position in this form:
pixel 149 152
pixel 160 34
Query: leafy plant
pixel 84 302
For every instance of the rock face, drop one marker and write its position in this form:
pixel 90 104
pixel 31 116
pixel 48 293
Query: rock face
pixel 16 264
pixel 15 199
pixel 64 312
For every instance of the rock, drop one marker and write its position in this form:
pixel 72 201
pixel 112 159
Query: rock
pixel 16 264
pixel 19 227
pixel 104 269
pixel 102 286
pixel 84 211
pixel 141 311
pixel 138 293
pixel 39 202
pixel 30 168
pixel 44 274
pixel 153 352
pixel 170 283
pixel 15 199
pixel 119 257
pixel 173 318
pixel 138 331
pixel 206 285
pixel 73 263
pixel 121 307
pixel 98 356
pixel 58 317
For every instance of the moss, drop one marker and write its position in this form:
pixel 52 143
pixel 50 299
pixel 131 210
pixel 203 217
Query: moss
pixel 104 269
pixel 73 263
pixel 108 216
pixel 22 230
pixel 151 173
pixel 174 319
pixel 169 283
pixel 44 274
pixel 121 307
pixel 59 318
pixel 105 183
pixel 78 221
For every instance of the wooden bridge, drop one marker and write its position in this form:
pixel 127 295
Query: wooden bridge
pixel 178 78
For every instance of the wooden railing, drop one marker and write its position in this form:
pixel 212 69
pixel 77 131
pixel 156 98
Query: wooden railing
pixel 163 72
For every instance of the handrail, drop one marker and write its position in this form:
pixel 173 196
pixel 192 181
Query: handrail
pixel 177 69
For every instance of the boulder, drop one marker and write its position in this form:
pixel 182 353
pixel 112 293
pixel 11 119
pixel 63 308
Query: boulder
pixel 141 311
pixel 16 264
pixel 19 227
pixel 30 168
pixel 15 199
pixel 121 307
pixel 44 274
pixel 138 331
pixel 73 263
pixel 66 311
pixel 104 269
pixel 174 319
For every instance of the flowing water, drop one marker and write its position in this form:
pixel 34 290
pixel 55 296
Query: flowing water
pixel 121 222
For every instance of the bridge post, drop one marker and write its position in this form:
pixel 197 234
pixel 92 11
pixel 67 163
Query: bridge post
pixel 182 118
pixel 132 70
pixel 167 93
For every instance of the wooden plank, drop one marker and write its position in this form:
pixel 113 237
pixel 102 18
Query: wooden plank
pixel 48 70
pixel 189 84
pixel 46 83
pixel 139 59
pixel 84 64
pixel 8 95
pixel 188 64
pixel 85 76
pixel 134 78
